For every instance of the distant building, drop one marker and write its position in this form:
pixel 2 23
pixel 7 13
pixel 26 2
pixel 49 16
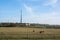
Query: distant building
pixel 27 24
pixel 24 24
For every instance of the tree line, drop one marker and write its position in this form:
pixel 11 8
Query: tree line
pixel 33 25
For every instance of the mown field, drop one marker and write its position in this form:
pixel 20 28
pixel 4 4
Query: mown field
pixel 25 33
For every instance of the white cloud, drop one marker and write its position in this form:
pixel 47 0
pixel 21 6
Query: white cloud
pixel 44 18
pixel 53 3
pixel 31 16
pixel 50 18
pixel 29 10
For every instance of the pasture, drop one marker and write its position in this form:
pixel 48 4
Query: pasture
pixel 25 33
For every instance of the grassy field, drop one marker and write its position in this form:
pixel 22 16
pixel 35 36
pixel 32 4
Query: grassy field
pixel 23 33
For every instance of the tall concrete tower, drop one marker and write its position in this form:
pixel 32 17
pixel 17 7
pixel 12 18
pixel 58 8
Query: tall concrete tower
pixel 21 17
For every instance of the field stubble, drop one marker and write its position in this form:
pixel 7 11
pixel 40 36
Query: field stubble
pixel 27 33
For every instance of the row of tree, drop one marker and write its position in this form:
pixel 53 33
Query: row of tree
pixel 33 25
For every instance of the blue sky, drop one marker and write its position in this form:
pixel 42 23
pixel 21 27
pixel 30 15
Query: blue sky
pixel 34 11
